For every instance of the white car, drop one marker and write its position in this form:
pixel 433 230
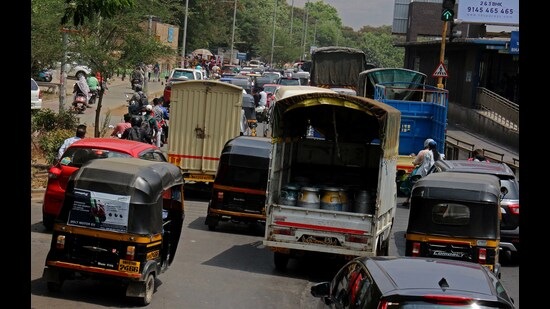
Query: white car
pixel 76 70
pixel 36 95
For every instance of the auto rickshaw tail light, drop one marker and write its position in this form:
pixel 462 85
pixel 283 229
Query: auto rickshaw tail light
pixel 415 249
pixel 130 253
pixel 482 255
pixel 220 196
pixel 60 242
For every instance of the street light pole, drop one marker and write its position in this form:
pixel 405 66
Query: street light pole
pixel 233 32
pixel 184 35
pixel 273 37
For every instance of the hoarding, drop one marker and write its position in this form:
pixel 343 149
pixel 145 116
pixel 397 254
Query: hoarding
pixel 500 12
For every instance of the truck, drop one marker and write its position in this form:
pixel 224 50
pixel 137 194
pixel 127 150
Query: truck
pixel 336 67
pixel 322 142
pixel 204 115
pixel 423 109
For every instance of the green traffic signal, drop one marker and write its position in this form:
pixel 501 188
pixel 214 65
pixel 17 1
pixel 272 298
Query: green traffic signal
pixel 447 15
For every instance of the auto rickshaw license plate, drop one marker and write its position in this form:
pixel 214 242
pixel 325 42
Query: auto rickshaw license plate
pixel 128 266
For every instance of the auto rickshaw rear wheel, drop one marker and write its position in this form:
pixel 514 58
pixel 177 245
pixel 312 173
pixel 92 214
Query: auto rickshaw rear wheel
pixel 149 289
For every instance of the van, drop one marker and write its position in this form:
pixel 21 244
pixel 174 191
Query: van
pixel 239 189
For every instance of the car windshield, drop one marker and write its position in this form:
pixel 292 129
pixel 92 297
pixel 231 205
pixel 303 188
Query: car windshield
pixel 76 156
pixel 289 81
pixel 180 74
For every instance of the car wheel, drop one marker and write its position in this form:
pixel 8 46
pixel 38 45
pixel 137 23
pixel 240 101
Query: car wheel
pixel 281 260
pixel 149 289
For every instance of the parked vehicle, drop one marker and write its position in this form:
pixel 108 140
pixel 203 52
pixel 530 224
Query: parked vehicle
pixel 204 115
pixel 121 221
pixel 79 153
pixel 407 282
pixel 75 70
pixel 238 193
pixel 509 204
pixel 456 216
pixel 289 81
pixel 36 95
pixel 423 109
pixel 331 185
pixel 44 75
pixel 179 75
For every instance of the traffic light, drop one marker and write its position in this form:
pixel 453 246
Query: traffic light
pixel 454 33
pixel 448 10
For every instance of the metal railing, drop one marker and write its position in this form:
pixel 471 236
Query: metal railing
pixel 498 108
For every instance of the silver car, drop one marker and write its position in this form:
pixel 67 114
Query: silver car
pixel 36 95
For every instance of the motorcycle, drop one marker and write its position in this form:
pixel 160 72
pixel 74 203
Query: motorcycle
pixel 136 82
pixel 79 103
pixel 94 94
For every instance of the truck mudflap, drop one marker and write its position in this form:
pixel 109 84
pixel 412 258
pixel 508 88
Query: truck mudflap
pixel 320 230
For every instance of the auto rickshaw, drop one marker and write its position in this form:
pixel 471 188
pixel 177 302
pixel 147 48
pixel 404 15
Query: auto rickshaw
pixel 121 220
pixel 238 193
pixel 456 216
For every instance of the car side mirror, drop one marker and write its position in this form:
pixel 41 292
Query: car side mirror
pixel 321 289
pixel 503 192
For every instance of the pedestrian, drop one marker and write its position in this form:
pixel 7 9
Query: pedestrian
pixel 156 72
pixel 122 126
pixel 478 156
pixel 263 97
pixel 161 116
pixel 149 69
pixel 80 134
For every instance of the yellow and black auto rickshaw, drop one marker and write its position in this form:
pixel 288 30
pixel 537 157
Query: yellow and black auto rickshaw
pixel 121 220
pixel 456 216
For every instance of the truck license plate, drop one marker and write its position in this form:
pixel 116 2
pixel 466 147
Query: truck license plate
pixel 331 241
pixel 201 177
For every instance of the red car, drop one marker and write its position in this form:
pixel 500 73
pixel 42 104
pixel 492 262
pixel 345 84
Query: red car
pixel 81 152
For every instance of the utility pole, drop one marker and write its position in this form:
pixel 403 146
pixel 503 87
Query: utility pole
pixel 273 37
pixel 442 54
pixel 184 35
pixel 63 73
pixel 233 33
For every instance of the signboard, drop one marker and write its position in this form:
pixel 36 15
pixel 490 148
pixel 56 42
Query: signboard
pixel 494 12
pixel 514 42
pixel 241 56
pixel 440 71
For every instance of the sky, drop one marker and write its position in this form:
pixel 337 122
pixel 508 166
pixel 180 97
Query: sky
pixel 359 13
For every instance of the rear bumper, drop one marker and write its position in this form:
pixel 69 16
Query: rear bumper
pixel 509 240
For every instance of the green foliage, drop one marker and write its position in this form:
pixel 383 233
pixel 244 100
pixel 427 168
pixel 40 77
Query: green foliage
pixel 45 120
pixel 50 142
pixel 381 51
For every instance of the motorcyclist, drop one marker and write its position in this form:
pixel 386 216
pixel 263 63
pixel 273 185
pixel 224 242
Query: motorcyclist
pixel 81 88
pixel 137 77
pixel 138 101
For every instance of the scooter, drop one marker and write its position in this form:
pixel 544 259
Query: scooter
pixel 79 103
pixel 45 75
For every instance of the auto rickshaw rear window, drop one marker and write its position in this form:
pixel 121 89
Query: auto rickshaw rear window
pixel 450 214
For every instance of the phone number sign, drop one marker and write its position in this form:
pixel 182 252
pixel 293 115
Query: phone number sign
pixel 499 12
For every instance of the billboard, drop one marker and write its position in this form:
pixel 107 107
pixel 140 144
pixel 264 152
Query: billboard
pixel 499 12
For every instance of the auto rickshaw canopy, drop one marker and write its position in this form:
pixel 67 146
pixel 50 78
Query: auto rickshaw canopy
pixel 129 189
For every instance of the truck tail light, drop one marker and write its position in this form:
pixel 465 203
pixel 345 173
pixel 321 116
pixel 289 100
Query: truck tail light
pixel 283 231
pixel 357 239
pixel 219 196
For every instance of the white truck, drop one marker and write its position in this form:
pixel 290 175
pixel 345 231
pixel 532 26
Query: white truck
pixel 323 140
pixel 204 115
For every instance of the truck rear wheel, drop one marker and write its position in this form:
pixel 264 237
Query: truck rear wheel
pixel 281 260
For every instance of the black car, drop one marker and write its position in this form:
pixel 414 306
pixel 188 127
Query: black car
pixel 509 225
pixel 412 282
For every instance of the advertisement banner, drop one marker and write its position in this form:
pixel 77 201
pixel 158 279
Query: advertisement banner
pixel 100 210
pixel 500 12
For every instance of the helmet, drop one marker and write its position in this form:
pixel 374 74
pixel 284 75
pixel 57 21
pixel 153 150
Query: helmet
pixel 136 121
pixel 137 87
pixel 148 107
pixel 427 142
